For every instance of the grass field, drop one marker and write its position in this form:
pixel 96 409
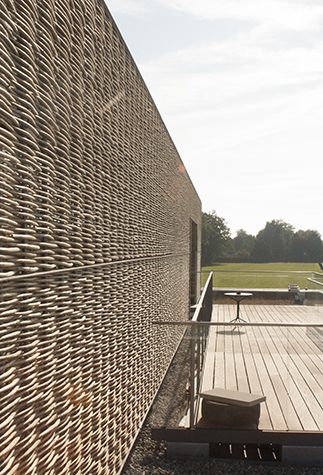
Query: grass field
pixel 270 275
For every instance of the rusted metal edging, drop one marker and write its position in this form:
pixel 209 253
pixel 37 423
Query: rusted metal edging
pixel 246 436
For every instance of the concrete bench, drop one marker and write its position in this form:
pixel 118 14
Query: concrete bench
pixel 231 409
pixel 297 294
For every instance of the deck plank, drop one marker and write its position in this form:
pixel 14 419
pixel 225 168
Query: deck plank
pixel 301 392
pixel 208 375
pixel 254 380
pixel 309 409
pixel 270 378
pixel 287 392
pixel 219 370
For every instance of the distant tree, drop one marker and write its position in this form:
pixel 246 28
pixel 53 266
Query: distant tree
pixel 243 244
pixel 273 242
pixel 215 237
pixel 277 241
pixel 306 246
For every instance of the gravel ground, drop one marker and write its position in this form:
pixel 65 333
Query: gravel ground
pixel 149 457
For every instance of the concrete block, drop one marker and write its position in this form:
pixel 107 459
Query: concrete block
pixel 226 416
pixel 187 449
pixel 297 454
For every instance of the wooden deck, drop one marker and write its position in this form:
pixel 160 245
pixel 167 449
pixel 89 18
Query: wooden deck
pixel 285 364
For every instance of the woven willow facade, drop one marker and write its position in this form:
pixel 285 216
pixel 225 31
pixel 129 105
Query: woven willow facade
pixel 94 240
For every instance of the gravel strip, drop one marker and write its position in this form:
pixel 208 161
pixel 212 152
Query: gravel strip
pixel 149 457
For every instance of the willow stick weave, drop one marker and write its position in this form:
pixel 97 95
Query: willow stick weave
pixel 88 176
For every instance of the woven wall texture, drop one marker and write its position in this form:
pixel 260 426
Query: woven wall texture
pixel 94 240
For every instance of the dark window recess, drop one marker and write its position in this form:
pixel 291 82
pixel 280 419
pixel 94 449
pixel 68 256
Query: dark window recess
pixel 193 263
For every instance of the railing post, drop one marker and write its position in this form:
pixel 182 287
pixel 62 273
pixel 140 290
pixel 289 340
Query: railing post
pixel 192 379
pixel 198 359
pixel 204 330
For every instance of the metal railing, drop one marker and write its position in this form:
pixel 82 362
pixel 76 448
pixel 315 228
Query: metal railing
pixel 281 360
pixel 316 278
pixel 284 336
pixel 203 313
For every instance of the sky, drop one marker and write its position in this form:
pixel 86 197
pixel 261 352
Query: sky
pixel 239 85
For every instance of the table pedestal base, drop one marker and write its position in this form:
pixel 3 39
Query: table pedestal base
pixel 238 320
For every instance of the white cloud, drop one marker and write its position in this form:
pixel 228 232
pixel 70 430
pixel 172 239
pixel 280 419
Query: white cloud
pixel 279 13
pixel 128 7
pixel 238 74
pixel 247 71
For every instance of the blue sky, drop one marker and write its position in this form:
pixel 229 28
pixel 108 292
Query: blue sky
pixel 239 84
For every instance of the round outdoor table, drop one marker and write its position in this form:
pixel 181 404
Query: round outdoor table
pixel 237 297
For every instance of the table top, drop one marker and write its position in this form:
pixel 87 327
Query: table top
pixel 238 294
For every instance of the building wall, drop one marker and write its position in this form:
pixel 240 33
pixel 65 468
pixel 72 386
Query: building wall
pixel 94 240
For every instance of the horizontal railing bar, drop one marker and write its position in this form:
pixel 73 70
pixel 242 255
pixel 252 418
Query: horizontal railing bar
pixel 260 271
pixel 242 324
pixel 90 266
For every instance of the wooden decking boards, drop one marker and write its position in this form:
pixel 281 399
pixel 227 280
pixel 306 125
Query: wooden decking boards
pixel 284 364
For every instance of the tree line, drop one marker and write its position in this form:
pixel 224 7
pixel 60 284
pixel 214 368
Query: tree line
pixel 276 242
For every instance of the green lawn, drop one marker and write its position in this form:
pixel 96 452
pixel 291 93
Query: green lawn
pixel 271 275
